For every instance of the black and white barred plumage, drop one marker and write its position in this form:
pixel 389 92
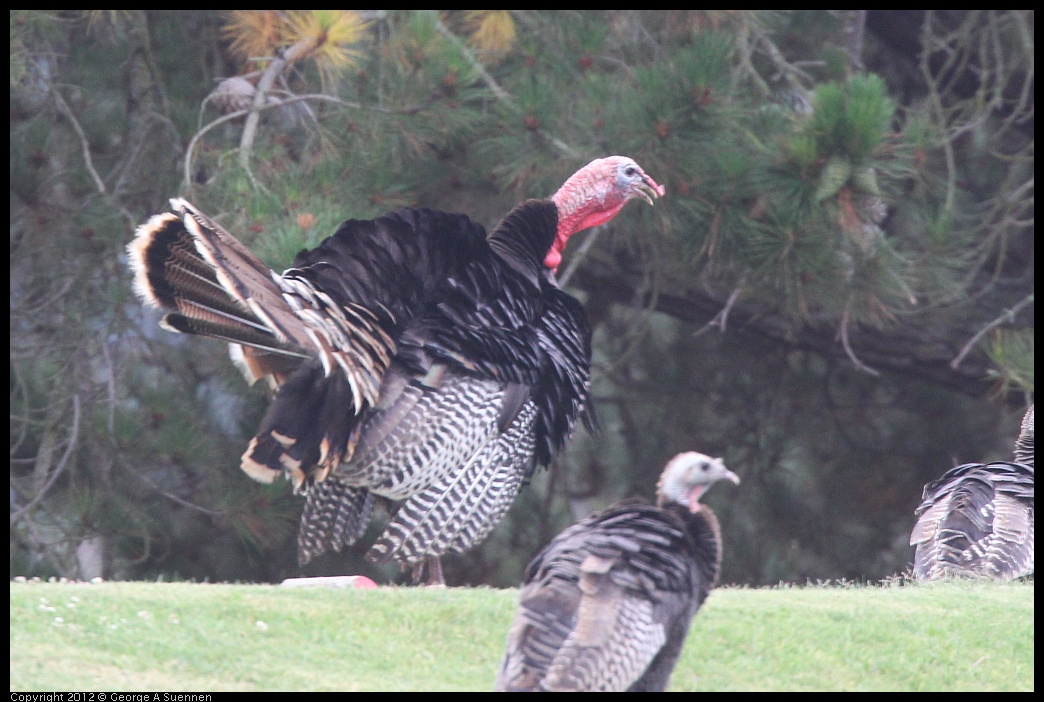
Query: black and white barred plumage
pixel 414 357
pixel 977 519
pixel 606 606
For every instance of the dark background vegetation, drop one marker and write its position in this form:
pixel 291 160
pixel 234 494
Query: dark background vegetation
pixel 836 295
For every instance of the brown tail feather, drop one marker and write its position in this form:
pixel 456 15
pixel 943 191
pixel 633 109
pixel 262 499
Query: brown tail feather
pixel 243 276
pixel 211 285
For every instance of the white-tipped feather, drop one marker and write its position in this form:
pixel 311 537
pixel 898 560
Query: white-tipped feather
pixel 136 256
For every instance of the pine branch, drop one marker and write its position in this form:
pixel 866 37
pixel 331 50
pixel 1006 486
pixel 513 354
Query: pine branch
pixel 914 350
pixel 500 93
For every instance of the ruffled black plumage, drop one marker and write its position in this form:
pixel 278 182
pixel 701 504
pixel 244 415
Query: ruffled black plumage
pixel 386 323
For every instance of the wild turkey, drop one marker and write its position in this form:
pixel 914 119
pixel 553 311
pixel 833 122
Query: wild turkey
pixel 977 519
pixel 606 606
pixel 414 357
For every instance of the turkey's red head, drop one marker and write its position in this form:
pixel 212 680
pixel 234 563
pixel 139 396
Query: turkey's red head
pixel 594 195
pixel 687 476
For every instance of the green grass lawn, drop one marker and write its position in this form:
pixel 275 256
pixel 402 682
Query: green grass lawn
pixel 124 636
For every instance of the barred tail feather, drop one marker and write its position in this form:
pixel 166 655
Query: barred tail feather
pixel 173 272
pixel 335 516
pixel 243 276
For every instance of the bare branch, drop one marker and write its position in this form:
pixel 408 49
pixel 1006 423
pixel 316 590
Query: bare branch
pixel 855 28
pixel 16 515
pixel 746 57
pixel 848 347
pixel 578 256
pixel 174 498
pixel 280 103
pixel 110 384
pixel 283 59
pixel 935 100
pixel 39 307
pixel 795 78
pixel 88 162
pixel 64 108
pixel 721 319
pixel 501 94
pixel 1007 316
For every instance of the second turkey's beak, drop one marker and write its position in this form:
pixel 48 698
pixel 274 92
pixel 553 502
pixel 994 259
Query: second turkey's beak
pixel 649 189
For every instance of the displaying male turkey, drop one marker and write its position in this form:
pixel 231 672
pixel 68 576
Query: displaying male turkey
pixel 977 519
pixel 606 606
pixel 414 357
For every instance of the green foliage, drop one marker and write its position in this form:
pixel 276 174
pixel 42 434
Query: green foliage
pixel 189 637
pixel 1012 352
pixel 850 118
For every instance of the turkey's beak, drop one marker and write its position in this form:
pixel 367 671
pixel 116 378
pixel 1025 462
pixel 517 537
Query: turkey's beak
pixel 649 189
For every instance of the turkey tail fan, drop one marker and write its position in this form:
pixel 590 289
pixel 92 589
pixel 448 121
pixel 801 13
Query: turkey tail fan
pixel 211 285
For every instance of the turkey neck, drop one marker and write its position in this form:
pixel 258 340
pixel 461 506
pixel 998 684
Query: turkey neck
pixel 525 235
pixel 705 535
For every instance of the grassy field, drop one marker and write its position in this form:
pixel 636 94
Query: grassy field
pixel 124 636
